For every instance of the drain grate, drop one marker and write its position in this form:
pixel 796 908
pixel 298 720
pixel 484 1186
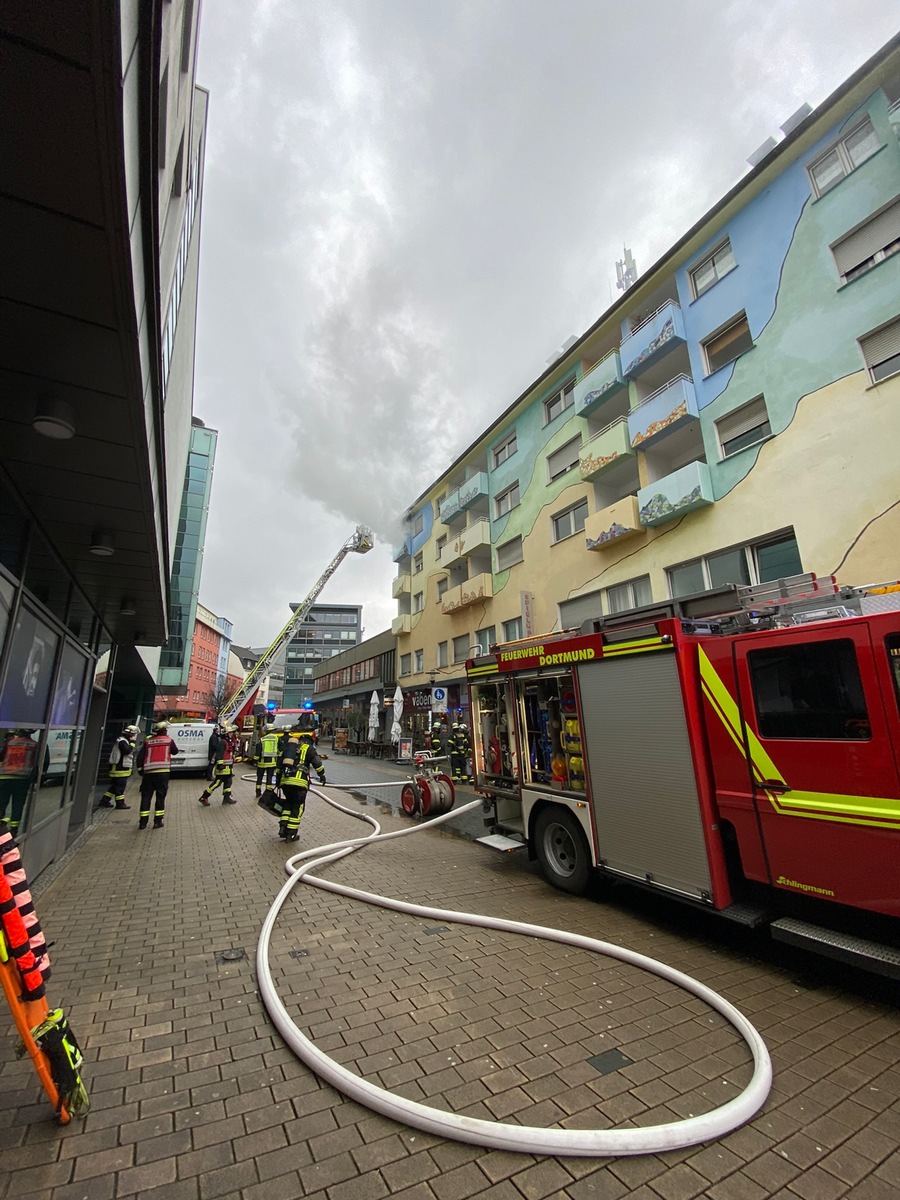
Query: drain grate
pixel 436 929
pixel 299 953
pixel 609 1061
pixel 236 954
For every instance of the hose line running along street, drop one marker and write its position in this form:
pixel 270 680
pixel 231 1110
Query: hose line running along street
pixel 526 1139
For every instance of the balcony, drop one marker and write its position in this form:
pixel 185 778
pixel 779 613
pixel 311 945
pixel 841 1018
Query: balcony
pixel 469 493
pixel 662 413
pixel 400 552
pixel 653 338
pixel 601 382
pixel 468 541
pixel 401 586
pixel 612 525
pixel 401 624
pixel 675 494
pixel 606 448
pixel 473 591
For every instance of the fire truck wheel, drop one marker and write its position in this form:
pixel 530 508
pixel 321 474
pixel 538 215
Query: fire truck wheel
pixel 409 799
pixel 562 850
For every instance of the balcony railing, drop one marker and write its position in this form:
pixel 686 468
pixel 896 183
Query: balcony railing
pixel 672 406
pixel 674 495
pixel 400 552
pixel 612 525
pixel 653 338
pixel 603 380
pixel 401 586
pixel 471 592
pixel 467 494
pixel 605 449
pixel 401 624
pixel 467 541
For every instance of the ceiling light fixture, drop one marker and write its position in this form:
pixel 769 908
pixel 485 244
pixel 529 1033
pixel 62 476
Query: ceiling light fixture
pixel 54 418
pixel 102 543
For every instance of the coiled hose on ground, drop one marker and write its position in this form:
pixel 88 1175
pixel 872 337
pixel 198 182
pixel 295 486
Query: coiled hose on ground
pixel 648 1139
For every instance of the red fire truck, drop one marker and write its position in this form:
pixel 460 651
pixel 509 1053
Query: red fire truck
pixel 747 761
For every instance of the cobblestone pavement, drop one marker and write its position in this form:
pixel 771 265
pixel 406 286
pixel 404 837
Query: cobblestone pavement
pixel 195 1096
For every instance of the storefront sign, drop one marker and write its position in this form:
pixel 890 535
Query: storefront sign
pixel 526 599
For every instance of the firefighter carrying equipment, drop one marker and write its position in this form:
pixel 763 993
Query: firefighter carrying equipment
pixel 55 1037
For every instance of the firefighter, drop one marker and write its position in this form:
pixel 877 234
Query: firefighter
pixel 154 762
pixel 266 758
pixel 18 761
pixel 460 750
pixel 297 757
pixel 222 745
pixel 438 740
pixel 121 765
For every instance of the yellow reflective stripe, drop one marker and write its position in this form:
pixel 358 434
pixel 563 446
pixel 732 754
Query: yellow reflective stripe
pixel 492 669
pixel 828 806
pixel 728 710
pixel 817 806
pixel 636 647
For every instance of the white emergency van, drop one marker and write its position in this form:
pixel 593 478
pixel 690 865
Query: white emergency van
pixel 192 739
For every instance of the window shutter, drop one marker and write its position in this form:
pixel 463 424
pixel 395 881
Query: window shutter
pixel 564 458
pixel 509 554
pixel 881 345
pixel 877 233
pixel 742 420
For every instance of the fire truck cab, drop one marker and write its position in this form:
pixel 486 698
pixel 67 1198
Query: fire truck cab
pixel 748 762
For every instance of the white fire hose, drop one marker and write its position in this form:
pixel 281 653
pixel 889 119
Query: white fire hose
pixel 526 1139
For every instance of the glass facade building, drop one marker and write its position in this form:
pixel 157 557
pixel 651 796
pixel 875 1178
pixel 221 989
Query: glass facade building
pixel 187 562
pixel 327 630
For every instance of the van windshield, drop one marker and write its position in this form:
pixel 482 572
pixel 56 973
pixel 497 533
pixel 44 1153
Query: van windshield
pixel 298 719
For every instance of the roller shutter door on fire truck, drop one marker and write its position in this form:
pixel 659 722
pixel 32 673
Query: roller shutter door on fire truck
pixel 643 786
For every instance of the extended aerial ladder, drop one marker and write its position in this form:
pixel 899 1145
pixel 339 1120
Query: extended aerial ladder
pixel 361 542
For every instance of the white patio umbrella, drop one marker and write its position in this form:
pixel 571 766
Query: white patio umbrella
pixel 396 728
pixel 373 717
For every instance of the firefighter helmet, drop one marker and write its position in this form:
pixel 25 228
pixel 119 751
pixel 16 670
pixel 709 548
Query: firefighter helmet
pixel 268 728
pixel 160 726
pixel 131 729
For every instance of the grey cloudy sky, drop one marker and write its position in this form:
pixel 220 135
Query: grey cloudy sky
pixel 410 204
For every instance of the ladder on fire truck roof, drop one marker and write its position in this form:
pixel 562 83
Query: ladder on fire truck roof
pixel 361 542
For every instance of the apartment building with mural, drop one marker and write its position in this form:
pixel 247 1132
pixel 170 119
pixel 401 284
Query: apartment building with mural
pixel 732 419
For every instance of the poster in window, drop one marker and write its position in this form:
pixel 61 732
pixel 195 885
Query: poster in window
pixel 29 671
pixel 69 688
pixel 6 596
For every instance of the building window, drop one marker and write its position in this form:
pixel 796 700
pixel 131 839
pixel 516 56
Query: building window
pixel 417 563
pixel 442 585
pixel 563 459
pixel 852 150
pixel 868 245
pixel 712 268
pixel 405 660
pixel 881 351
pixel 812 690
pixel 746 426
pixel 756 562
pixel 442 654
pixel 507 500
pixel 728 344
pixel 416 524
pixel 512 630
pixel 509 554
pixel 420 661
pixel 439 546
pixel 437 505
pixel 630 594
pixel 558 403
pixel 570 522
pixel 461 648
pixel 506 449
pixel 486 638
pixel 418 602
